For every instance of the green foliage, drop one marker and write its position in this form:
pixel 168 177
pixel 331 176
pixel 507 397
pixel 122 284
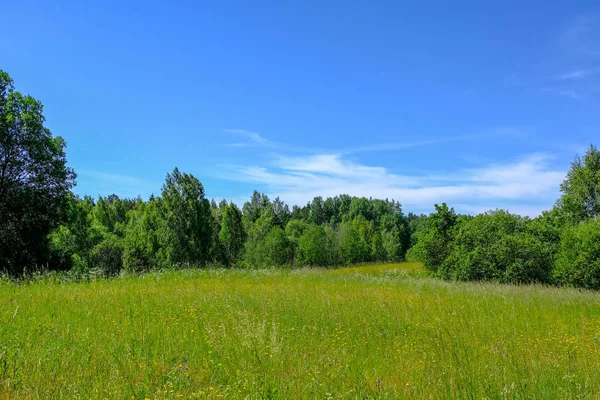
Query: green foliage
pixel 146 239
pixel 581 188
pixel 391 243
pixel 267 244
pixel 281 212
pixel 317 213
pixel 294 230
pixel 276 249
pixel 188 218
pixel 255 246
pixel 578 262
pixel 71 243
pixel 107 256
pixel 497 246
pixel 548 228
pixel 43 225
pixel 257 206
pixel 312 247
pixel 34 181
pixel 353 246
pixel 232 235
pixel 434 239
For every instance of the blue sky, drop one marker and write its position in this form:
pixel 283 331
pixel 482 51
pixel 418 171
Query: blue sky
pixel 479 104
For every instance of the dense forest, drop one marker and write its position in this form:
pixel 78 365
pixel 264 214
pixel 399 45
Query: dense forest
pixel 44 226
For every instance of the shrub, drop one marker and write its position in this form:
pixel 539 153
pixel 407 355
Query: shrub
pixel 107 256
pixel 497 246
pixel 434 240
pixel 312 247
pixel 578 261
pixel 276 248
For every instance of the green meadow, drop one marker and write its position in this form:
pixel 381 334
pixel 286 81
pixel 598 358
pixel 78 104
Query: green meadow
pixel 374 331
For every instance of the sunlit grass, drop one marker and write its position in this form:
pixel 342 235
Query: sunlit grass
pixel 370 331
pixel 383 269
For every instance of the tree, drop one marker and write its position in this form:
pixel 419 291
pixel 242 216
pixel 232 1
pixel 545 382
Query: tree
pixel 258 204
pixel 434 241
pixel 232 235
pixel 276 248
pixel 254 251
pixel 392 243
pixel 581 188
pixel 188 218
pixel 146 239
pixel 353 247
pixel 317 214
pixel 578 261
pixel 281 211
pixel 34 180
pixel 70 243
pixel 312 247
pixel 497 246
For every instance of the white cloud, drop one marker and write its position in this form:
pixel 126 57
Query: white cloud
pixel 530 182
pixel 252 136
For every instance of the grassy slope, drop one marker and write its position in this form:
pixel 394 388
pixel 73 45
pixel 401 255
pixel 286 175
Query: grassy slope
pixel 373 331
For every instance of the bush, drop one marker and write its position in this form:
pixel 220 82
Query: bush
pixel 497 246
pixel 353 249
pixel 312 247
pixel 434 239
pixel 107 256
pixel 578 261
pixel 276 249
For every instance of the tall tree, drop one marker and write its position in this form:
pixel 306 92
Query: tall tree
pixel 187 213
pixel 232 235
pixel 34 180
pixel 317 214
pixel 581 188
pixel 281 211
pixel 434 240
pixel 257 205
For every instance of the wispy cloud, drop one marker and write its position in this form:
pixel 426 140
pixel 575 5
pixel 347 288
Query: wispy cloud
pixel 251 136
pixel 569 93
pixel 255 139
pixel 578 46
pixel 578 73
pixel 528 182
pixel 582 35
pixel 494 133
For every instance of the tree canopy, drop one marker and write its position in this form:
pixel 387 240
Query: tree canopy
pixel 581 187
pixel 34 180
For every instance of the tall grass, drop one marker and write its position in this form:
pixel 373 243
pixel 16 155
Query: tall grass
pixel 366 332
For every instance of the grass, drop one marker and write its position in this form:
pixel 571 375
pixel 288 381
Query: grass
pixel 376 331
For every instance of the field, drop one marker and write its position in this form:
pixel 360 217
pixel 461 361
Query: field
pixel 385 331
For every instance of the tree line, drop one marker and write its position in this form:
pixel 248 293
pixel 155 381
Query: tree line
pixel 561 246
pixel 44 225
pixel 181 228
